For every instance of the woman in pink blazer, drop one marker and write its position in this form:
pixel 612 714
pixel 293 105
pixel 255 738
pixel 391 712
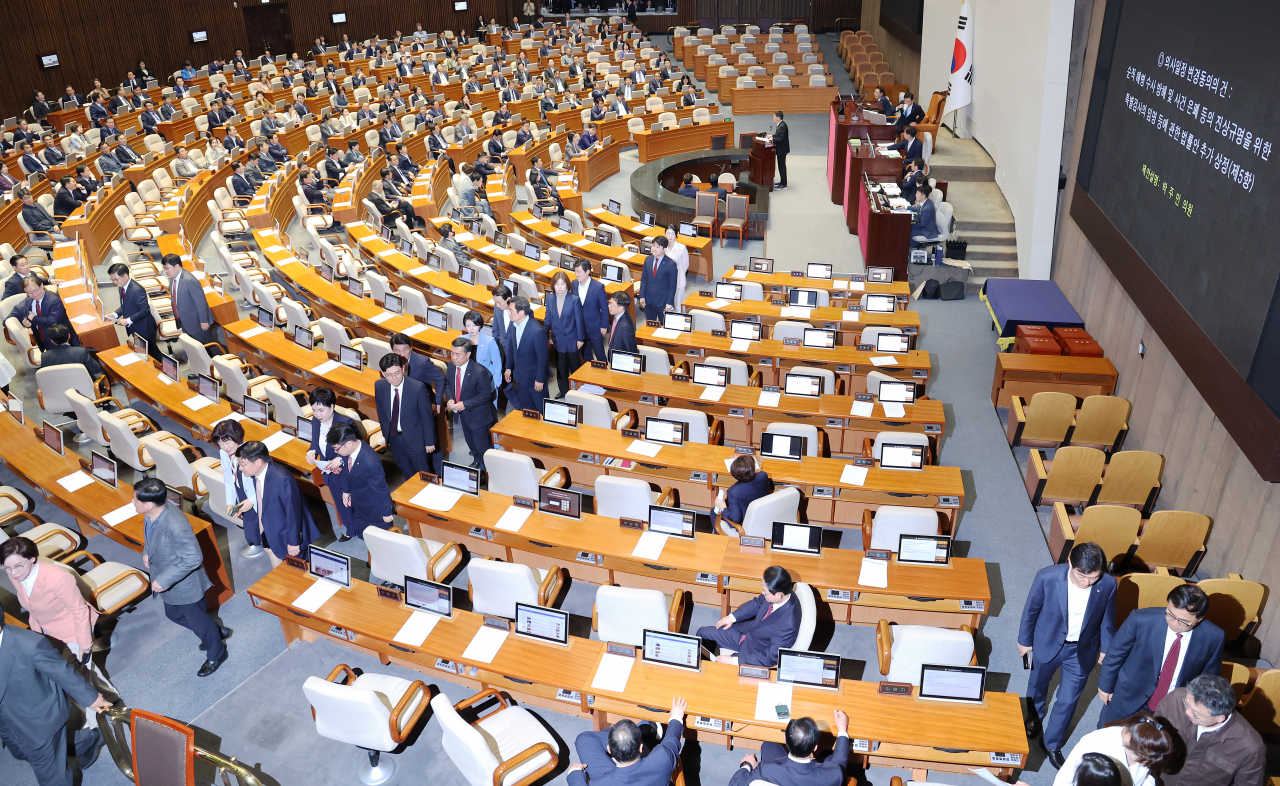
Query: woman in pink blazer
pixel 54 603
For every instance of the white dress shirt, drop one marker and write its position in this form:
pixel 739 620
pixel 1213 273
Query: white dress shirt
pixel 520 326
pixel 1077 602
pixel 1203 730
pixel 29 582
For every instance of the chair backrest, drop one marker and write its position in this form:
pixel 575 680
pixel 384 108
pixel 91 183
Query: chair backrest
pixel 698 430
pixel 392 556
pixel 172 465
pixel 1143 591
pixel 86 416
pixel 782 505
pixel 1113 527
pixel 739 372
pixel 351 714
pixel 1171 538
pixel 1049 415
pixel 512 474
pixel 656 360
pixel 54 381
pixel 1074 474
pixel 198 360
pixel 915 645
pixel 705 204
pixel 901 438
pixel 811 434
pixel 617 497
pixel 466 746
pixel 622 613
pixel 1100 420
pixel 892 521
pixel 232 377
pixel 1234 603
pixel 874 378
pixel 1260 705
pixel 1131 477
pixel 803 594
pixel 496 587
pixel 595 408
pixel 706 321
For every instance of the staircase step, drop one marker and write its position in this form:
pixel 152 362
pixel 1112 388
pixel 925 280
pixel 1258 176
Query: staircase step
pixel 989 238
pixel 983 226
pixel 992 253
pixel 994 268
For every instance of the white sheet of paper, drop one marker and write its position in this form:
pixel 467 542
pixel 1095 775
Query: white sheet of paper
pixel 740 274
pixel 839 283
pixel 862 409
pixel 649 449
pixel 315 596
pixel 528 221
pixel 416 629
pixel 129 359
pixel 513 518
pixel 594 210
pixel 769 398
pixel 796 311
pixel 768 696
pixel 857 286
pixel 595 390
pixel 78 298
pixel 419 270
pixel 380 318
pixel 120 515
pixel 273 249
pixel 414 330
pixel 985 774
pixel 884 360
pixel 583 243
pixel 75 481
pixel 711 393
pixel 68 262
pixel 326 367
pixel 463 237
pixel 853 475
pixel 276 440
pixel 851 316
pixel 717 303
pixel 613 673
pixel 438 498
pixel 251 332
pixel 650 546
pixel 489 249
pixel 164 379
pixel 546 270
pixel 874 573
pixel 484 647
pixel 666 333
pixel 196 403
pixel 739 345
pixel 84 318
pixel 556 233
pixel 892 409
pixel 236 416
pixel 627 256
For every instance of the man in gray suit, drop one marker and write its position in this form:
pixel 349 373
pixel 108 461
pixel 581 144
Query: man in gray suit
pixel 190 308
pixel 34 679
pixel 173 556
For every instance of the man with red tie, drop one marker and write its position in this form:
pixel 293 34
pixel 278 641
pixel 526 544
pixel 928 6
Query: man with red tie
pixel 468 393
pixel 754 633
pixel 658 281
pixel 622 328
pixel 41 310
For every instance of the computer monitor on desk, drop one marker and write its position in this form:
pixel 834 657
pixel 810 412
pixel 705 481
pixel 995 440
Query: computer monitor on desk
pixel 741 329
pixel 803 298
pixel 952 683
pixel 255 409
pixel 303 428
pixel 676 522
pixel 674 650
pixel 727 290
pixel 667 432
pixel 549 626
pixel 330 566
pixel 898 392
pixel 351 358
pixel 796 538
pixel 103 470
pixel 897 456
pixel 626 362
pixel 561 413
pixel 392 303
pixel 819 338
pixel 782 446
pixel 460 478
pixel 802 385
pixel 674 320
pixel 303 337
pixel 428 596
pixel 893 342
pixel 169 367
pixel 820 270
pixel 559 502
pixel 881 304
pixel 207 386
pixel 715 376
pixel 806 669
pixel 924 549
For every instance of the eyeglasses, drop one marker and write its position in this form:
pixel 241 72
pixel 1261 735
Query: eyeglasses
pixel 1196 715
pixel 26 565
pixel 1178 620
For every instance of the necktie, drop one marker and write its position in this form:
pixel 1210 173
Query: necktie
pixel 457 385
pixel 656 261
pixel 1166 673
pixel 121 297
pixel 37 305
pixel 395 414
pixel 762 619
pixel 612 328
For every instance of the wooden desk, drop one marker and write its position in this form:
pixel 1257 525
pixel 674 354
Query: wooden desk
pixel 1027 375
pixel 745 420
pixel 549 233
pixel 715 84
pixel 700 248
pixel 10 230
pixel 863 161
pixel 840 288
pixel 194 217
pixel 831 317
pixel 100 227
pixel 599 166
pixel 884 234
pixel 572 448
pixel 79 294
pixel 843 127
pixel 653 145
pixel 796 99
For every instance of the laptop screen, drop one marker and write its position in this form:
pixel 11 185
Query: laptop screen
pixel 894 456
pixel 255 409
pixel 169 367
pixel 350 357
pixel 924 549
pixel 749 331
pixel 460 478
pixel 782 446
pixel 103 469
pixel 428 596
pixel 671 521
pixel 881 304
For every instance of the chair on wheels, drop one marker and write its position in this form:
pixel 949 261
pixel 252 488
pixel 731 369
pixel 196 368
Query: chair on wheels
pixel 618 497
pixel 506 747
pixel 621 614
pixel 375 712
pixel 758 519
pixel 597 411
pixel 394 555
pixel 515 475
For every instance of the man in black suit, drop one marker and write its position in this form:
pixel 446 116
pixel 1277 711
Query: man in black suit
pixel 494 146
pixel 658 281
pixel 468 394
pixel 525 366
pixel 781 146
pixel 909 113
pixel 34 683
pixel 913 179
pixel 39 311
pixel 362 478
pixel 98 111
pixel 63 354
pixel 761 626
pixel 687 188
pixel 134 313
pixel 1157 650
pixel 72 100
pixel 419 367
pixel 793 764
pixel 595 309
pixel 65 201
pixel 240 178
pixel 910 147
pixel 622 328
pixel 404 412
pixel 21 269
pixel 38 218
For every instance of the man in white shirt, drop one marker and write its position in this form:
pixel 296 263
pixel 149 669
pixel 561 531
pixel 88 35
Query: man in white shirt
pixel 1222 748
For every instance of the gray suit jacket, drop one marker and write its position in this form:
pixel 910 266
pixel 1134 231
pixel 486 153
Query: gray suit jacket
pixel 191 302
pixel 174 558
pixel 33 678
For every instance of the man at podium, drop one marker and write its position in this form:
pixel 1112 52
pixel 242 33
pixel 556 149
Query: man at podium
pixel 781 146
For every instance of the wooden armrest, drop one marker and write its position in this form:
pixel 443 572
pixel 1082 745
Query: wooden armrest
pixel 341 668
pixel 416 689
pixel 520 758
pixel 868 447
pixel 233 213
pixel 755 380
pixel 188 450
pixel 177 441
pixel 1062 536
pixel 868 522
pixel 716 437
pixel 675 617
pixel 76 555
pixel 438 567
pixel 884 645
pixel 488 693
pixel 232 243
pixel 667 498
pixel 551 586
pixel 727 526
pixel 1017 420
pixel 558 472
pixel 681 368
pixel 1036 476
pixel 630 416
pixel 120 578
pixel 20 515
pixel 323 208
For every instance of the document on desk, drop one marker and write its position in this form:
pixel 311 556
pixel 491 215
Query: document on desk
pixel 853 475
pixel 546 270
pixel 84 319
pixel 862 409
pixel 378 319
pixel 740 274
pixel 583 243
pixel 769 398
pixel 251 332
pixel 129 359
pixel 893 409
pixel 277 440
pixel 75 481
pixel 711 393
pixel 796 311
pixel 420 269
pixel 666 333
pixel 276 249
pixel 437 498
pixel 387 253
pixel 874 573
pixel 120 515
pixel 985 774
pixel 463 237
pixel 484 647
pixel 840 283
pixel 768 696
pixel 595 210
pixel 164 378
pixel 316 596
pixel 884 360
pixel 513 518
pixel 650 546
pixel 326 367
pixel 627 256
pixel 414 330
pixel 717 304
pixel 235 416
pixel 416 629
pixel 594 390
pixel 197 403
pixel 740 345
pixel 612 673
pixel 851 316
pixel 556 233
pixel 489 249
pixel 649 449
pixel 78 298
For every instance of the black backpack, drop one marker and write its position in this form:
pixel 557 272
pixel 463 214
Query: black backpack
pixel 930 291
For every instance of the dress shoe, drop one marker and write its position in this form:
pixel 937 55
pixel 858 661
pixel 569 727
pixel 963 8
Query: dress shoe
pixel 95 747
pixel 226 634
pixel 1055 756
pixel 1032 720
pixel 343 539
pixel 210 666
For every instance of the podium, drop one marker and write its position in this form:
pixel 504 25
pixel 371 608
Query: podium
pixel 761 163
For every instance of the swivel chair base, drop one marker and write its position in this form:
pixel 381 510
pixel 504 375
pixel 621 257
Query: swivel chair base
pixel 377 771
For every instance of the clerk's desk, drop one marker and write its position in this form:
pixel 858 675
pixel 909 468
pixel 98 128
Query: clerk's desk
pixel 911 733
pixel 839 288
pixel 697 471
pixel 700 248
pixel 26 455
pixel 774 358
pixel 745 420
pixel 652 145
pixel 831 317
pixel 711 568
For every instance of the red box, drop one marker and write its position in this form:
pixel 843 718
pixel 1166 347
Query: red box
pixel 1033 331
pixel 1082 347
pixel 1037 346
pixel 1063 334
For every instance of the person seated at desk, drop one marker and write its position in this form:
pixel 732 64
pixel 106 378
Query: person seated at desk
pixel 75 140
pixel 751 484
pixel 619 104
pixel 494 146
pixel 620 757
pixel 909 113
pixel 353 156
pixel 332 167
pixel 184 166
pixel 7 181
pixel 754 633
pixel 30 163
pixel 524 134
pixel 926 225
pixel 250 177
pixel 214 115
pixel 98 111
pixel 913 179
pixel 64 353
pixel 880 103
pixel 476 196
pixel 123 153
pixel 67 199
pixel 597 108
pixel 37 217
pixel 689 98
pixel 794 763
pixel 544 190
pixel 86 181
pixel 279 153
pixel 21 269
pixel 266 162
pixel 687 188
pixel 72 100
pixel 52 151
pixel 39 311
pixel 910 147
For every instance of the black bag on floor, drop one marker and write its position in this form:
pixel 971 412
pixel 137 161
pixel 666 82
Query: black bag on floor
pixel 956 249
pixel 930 291
pixel 951 290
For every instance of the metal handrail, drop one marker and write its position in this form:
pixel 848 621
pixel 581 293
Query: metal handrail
pixel 112 722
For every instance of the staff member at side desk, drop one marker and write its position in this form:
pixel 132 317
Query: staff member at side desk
pixel 909 113
pixel 751 484
pixel 595 310
pixel 322 455
pixel 781 146
pixel 279 513
pixel 404 412
pixel 361 482
pixel 617 757
pixel 794 763
pixel 687 188
pixel 881 101
pixel 926 225
pixel 658 281
pixel 622 328
pixel 1067 623
pixel 190 309
pixel 1158 650
pixel 525 369
pixel 469 396
pixel 754 633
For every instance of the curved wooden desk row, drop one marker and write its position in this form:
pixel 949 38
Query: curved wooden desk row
pixel 774 310
pixel 718 84
pixel 26 455
pixel 272 205
pixel 679 42
pixel 694 471
pixel 800 97
pixel 700 65
pixel 546 232
pixel 911 732
pixel 745 420
pixel 840 288
pixel 78 292
pixel 652 145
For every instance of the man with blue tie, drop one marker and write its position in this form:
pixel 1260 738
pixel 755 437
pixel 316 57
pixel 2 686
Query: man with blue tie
pixel 151 117
pixel 390 132
pixel 910 147
pixel 404 412
pixel 240 180
pixel 494 146
pixel 595 310
pixel 41 310
pixel 754 633
pixel 362 483
pixel 1067 623
pixel 909 113
pixel 134 313
pixel 658 281
pixel 525 366
pixel 279 516
pixel 468 395
pixel 98 111
pixel 589 136
pixel 52 151
pixel 597 108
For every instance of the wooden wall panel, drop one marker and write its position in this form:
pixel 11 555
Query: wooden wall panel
pixel 902 59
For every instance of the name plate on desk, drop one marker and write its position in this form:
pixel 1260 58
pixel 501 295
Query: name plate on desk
pixel 864 462
pixel 844 596
pixel 695 352
pixel 501 623
pixel 772 389
pixel 623 650
pixel 653 323
pixel 679 377
pixel 894 689
pixel 588 558
pixel 720 333
pixel 294 562
pixel 857 278
pixel 706 293
pixel 797 274
pixel 750 545
pixel 854 307
pixel 824 492
pixel 390 593
pixel 973 605
pixel 790 342
pixel 948 502
pixel 933 428
pixel 744 450
pixel 777 302
pixel 903 298
pixel 631 523
pixel 753 672
pixel 599 364
pixel 523 502
pixel 532 413
pixel 710 579
pixel 865 347
pixel 879 554
pixel 831 325
pixel 864 397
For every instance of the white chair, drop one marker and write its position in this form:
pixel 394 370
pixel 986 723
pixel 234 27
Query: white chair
pixel 784 329
pixel 515 475
pixel 141 235
pixel 803 595
pixel 903 649
pixel 739 371
pixel 238 384
pixel 128 446
pixel 336 335
pixel 618 497
pixel 14 501
pixel 90 424
pixel 897 438
pixel 882 527
pixel 811 435
pixel 112 587
pixel 508 747
pixel 705 321
pixel 176 466
pixel 699 428
pixel 375 349
pixel 757 521
pixel 53 541
pixel 375 712
pixel 496 587
pixel 199 361
pixel 53 383
pixel 656 360
pixel 622 614
pixel 871 335
pixel 597 411
pixel 394 555
pixel 874 378
pixel 827 376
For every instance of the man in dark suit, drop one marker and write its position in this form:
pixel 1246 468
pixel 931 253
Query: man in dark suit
pixel 793 763
pixel 754 633
pixel 658 281
pixel 618 757
pixel 622 328
pixel 468 394
pixel 62 353
pixel 501 300
pixel 190 308
pixel 34 683
pixel 926 224
pixel 1067 623
pixel 134 313
pixel 38 218
pixel 98 111
pixel 278 515
pixel 880 102
pixel 72 100
pixel 687 188
pixel 910 147
pixel 240 178
pixel 525 366
pixel 30 164
pixel 67 199
pixel 419 367
pixel 909 113
pixel 361 478
pixel 1218 753
pixel 1158 650
pixel 21 269
pixel 494 146
pixel 404 411
pixel 595 310
pixel 913 179
pixel 781 146
pixel 39 311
